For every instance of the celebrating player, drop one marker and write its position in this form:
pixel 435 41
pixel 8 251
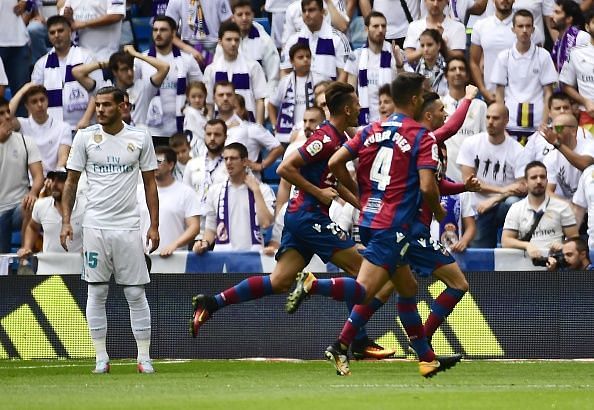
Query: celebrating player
pixel 308 229
pixel 112 154
pixel 397 163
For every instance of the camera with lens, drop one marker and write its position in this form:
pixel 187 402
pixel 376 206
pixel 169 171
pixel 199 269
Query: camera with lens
pixel 558 256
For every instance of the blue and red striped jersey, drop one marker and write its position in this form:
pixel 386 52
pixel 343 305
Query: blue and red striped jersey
pixel 391 152
pixel 316 152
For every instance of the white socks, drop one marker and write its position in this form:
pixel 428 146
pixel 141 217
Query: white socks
pixel 97 318
pixel 140 319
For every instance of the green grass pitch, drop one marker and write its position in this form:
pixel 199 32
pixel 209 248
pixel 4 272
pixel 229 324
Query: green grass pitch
pixel 201 384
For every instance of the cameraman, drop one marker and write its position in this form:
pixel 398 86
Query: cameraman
pixel 575 256
pixel 538 221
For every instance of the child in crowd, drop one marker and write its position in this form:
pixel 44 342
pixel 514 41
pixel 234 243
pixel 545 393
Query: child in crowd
pixel 195 117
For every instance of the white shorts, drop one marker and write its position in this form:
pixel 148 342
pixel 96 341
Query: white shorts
pixel 118 253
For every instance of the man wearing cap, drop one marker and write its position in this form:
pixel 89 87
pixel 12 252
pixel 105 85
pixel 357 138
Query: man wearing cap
pixel 47 216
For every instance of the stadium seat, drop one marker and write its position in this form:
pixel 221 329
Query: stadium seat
pixel 264 22
pixel 142 31
pixel 269 174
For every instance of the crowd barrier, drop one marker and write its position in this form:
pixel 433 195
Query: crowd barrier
pixel 507 314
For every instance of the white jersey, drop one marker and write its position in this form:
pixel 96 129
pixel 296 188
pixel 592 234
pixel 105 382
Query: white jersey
pixel 46 215
pixel 395 16
pixel 561 173
pixel 498 165
pixel 240 235
pixel 474 123
pixel 456 9
pixel 112 164
pixel 294 20
pixel 15 32
pixel 584 197
pixel 557 215
pixel 216 12
pixel 578 72
pixel 537 147
pixel 176 203
pixel 101 41
pixel 493 36
pixel 48 137
pixel 194 123
pixel 524 75
pixel 3 77
pixel 141 93
pixel 454 33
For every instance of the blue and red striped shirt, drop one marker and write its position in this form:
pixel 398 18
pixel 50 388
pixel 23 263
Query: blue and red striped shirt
pixel 391 152
pixel 316 152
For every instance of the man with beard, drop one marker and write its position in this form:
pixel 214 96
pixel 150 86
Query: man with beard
pixel 47 217
pixel 113 154
pixel 371 67
pixel 224 99
pixel 202 172
pixel 179 207
pixel 539 221
pixel 568 20
pixel 308 229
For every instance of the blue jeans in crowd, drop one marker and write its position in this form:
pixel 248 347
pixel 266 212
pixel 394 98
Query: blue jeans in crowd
pixel 489 223
pixel 10 221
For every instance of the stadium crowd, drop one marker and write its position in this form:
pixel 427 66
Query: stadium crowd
pixel 225 95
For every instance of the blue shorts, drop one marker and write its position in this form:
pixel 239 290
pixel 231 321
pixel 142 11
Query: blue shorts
pixel 312 233
pixel 424 254
pixel 385 247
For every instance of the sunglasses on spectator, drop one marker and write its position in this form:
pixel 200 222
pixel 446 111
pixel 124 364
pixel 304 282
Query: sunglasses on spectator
pixel 560 127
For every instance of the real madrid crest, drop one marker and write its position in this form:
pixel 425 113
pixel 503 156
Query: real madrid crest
pixel 130 147
pixel 97 138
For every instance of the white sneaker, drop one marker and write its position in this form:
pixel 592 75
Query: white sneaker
pixel 145 366
pixel 101 367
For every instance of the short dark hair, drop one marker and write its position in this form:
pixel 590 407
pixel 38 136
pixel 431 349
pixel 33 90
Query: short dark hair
pixel 320 3
pixel 226 26
pixel 580 245
pixel 318 110
pixel 57 19
pixel 559 95
pixel 457 58
pixel 118 95
pixel 240 3
pixel 241 103
pixel 522 13
pixel 429 98
pixel 36 89
pixel 217 121
pixel 405 86
pixel 296 47
pixel 222 83
pixel 374 13
pixel 170 155
pixel 572 9
pixel 178 140
pixel 168 20
pixel 239 147
pixel 384 90
pixel 120 57
pixel 337 96
pixel 533 164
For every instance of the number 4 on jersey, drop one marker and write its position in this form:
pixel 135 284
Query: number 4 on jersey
pixel 380 169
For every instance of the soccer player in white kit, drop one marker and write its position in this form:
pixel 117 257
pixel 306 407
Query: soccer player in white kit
pixel 113 153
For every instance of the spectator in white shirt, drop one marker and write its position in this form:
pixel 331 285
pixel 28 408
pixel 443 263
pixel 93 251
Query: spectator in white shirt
pixel 98 24
pixel 432 63
pixel 255 43
pixel 539 221
pixel 453 32
pixel 577 76
pixel 52 136
pixel 399 15
pixel 335 14
pixel 457 76
pixel 583 202
pixel 278 10
pixel 121 64
pixel 3 78
pixel 329 48
pixel 237 209
pixel 490 36
pixel 195 116
pixel 178 207
pixel 541 10
pixel 571 155
pixel 180 144
pixel 461 10
pixel 524 76
pixel 224 99
pixel 245 74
